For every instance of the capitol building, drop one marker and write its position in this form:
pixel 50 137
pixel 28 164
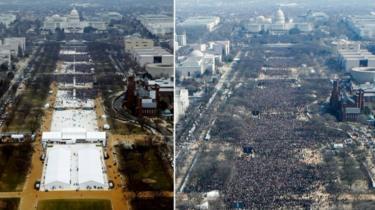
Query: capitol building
pixel 71 23
pixel 277 25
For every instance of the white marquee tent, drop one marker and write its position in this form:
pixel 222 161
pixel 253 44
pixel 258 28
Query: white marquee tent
pixel 57 172
pixel 90 168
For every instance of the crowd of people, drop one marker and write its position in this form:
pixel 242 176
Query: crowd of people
pixel 275 176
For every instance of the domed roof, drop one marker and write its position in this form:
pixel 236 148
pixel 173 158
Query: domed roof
pixel 197 53
pixel 74 12
pixel 56 17
pixel 260 18
pixel 279 16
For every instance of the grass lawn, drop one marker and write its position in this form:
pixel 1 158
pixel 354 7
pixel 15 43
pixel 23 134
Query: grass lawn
pixel 144 169
pixel 124 128
pixel 152 204
pixel 14 163
pixel 9 203
pixel 27 111
pixel 82 204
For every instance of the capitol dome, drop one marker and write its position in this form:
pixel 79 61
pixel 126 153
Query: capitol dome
pixel 280 17
pixel 197 53
pixel 74 12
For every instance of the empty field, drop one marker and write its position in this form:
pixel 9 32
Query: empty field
pixel 9 203
pixel 86 204
pixel 152 204
pixel 144 169
pixel 14 164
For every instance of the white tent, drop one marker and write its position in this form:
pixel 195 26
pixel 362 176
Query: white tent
pixel 57 172
pixel 90 172
pixel 95 136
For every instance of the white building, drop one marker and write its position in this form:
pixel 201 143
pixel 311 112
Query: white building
pixel 181 40
pixel 154 55
pixel 196 64
pixel 158 25
pixel 157 70
pixel 5 57
pixel 363 25
pixel 220 47
pixel 200 23
pixel 73 136
pixel 363 74
pixel 133 42
pixel 7 19
pixel 278 25
pixel 109 16
pixel 71 23
pixel 182 102
pixel 351 55
pixel 14 44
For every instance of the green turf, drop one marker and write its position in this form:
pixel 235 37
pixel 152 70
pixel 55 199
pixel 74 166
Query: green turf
pixel 152 204
pixel 14 164
pixel 27 111
pixel 9 203
pixel 82 204
pixel 144 169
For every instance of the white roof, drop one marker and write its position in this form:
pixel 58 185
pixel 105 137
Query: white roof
pixel 95 135
pixel 58 169
pixel 51 135
pixel 17 136
pixel 74 134
pixel 90 166
pixel 153 51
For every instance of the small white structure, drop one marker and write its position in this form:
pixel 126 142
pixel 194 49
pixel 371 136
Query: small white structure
pixel 5 56
pixel 72 136
pixel 213 195
pixel 18 137
pixel 181 102
pixel 338 146
pixel 107 126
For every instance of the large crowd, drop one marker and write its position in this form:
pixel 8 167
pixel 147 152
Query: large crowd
pixel 276 176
